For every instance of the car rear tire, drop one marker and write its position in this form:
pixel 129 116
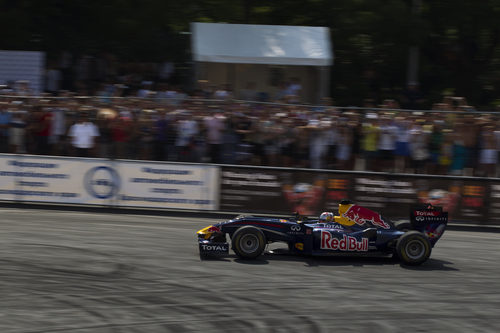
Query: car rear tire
pixel 413 248
pixel 248 242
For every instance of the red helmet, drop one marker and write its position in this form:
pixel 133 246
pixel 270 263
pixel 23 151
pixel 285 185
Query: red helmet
pixel 326 217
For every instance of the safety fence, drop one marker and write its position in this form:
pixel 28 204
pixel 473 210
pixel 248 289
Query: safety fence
pixel 158 100
pixel 239 189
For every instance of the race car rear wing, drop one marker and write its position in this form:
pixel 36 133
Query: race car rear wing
pixel 425 214
pixel 430 220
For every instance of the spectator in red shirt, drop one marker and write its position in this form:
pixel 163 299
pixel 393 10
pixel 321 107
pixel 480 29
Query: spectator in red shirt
pixel 120 136
pixel 43 117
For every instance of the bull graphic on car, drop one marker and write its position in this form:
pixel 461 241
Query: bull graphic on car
pixel 361 215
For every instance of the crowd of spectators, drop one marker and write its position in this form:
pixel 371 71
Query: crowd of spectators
pixel 169 125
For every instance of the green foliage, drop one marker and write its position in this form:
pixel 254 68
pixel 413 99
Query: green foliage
pixel 458 40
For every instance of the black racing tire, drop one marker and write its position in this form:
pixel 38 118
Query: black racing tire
pixel 248 242
pixel 413 248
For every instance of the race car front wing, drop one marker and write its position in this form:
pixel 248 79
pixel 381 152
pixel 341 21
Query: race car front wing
pixel 210 248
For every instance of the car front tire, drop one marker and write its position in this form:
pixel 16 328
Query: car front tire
pixel 248 242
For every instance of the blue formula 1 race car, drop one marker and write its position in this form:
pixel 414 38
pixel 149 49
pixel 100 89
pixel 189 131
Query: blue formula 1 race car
pixel 355 231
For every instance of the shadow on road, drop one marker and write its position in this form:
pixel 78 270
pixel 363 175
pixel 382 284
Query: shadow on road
pixel 433 265
pixel 335 261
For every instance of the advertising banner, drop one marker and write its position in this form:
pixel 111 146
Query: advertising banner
pixel 262 190
pixel 55 180
pixel 309 192
pixel 7 179
pixel 465 199
pixel 494 202
pixel 107 182
pixel 162 185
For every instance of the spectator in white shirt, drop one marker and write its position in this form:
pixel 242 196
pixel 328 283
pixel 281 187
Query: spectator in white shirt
pixel 83 136
pixel 402 150
pixel 387 144
pixel 215 130
pixel 187 129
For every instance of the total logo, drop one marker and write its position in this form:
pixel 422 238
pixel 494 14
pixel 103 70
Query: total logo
pixel 222 248
pixel 102 182
pixel 426 213
pixel 347 243
pixel 336 227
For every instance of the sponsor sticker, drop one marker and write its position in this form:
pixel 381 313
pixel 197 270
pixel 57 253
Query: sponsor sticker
pixel 427 213
pixel 361 215
pixel 346 243
pixel 215 247
pixel 333 226
pixel 296 229
pixel 430 218
pixel 102 182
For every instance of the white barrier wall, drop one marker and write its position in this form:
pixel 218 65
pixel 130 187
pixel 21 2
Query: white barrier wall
pixel 106 182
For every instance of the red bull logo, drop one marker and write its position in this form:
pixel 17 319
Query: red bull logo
pixel 361 215
pixel 347 243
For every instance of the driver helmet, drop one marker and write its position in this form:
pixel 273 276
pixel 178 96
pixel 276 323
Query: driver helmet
pixel 326 217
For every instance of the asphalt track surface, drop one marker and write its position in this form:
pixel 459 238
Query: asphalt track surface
pixel 63 271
